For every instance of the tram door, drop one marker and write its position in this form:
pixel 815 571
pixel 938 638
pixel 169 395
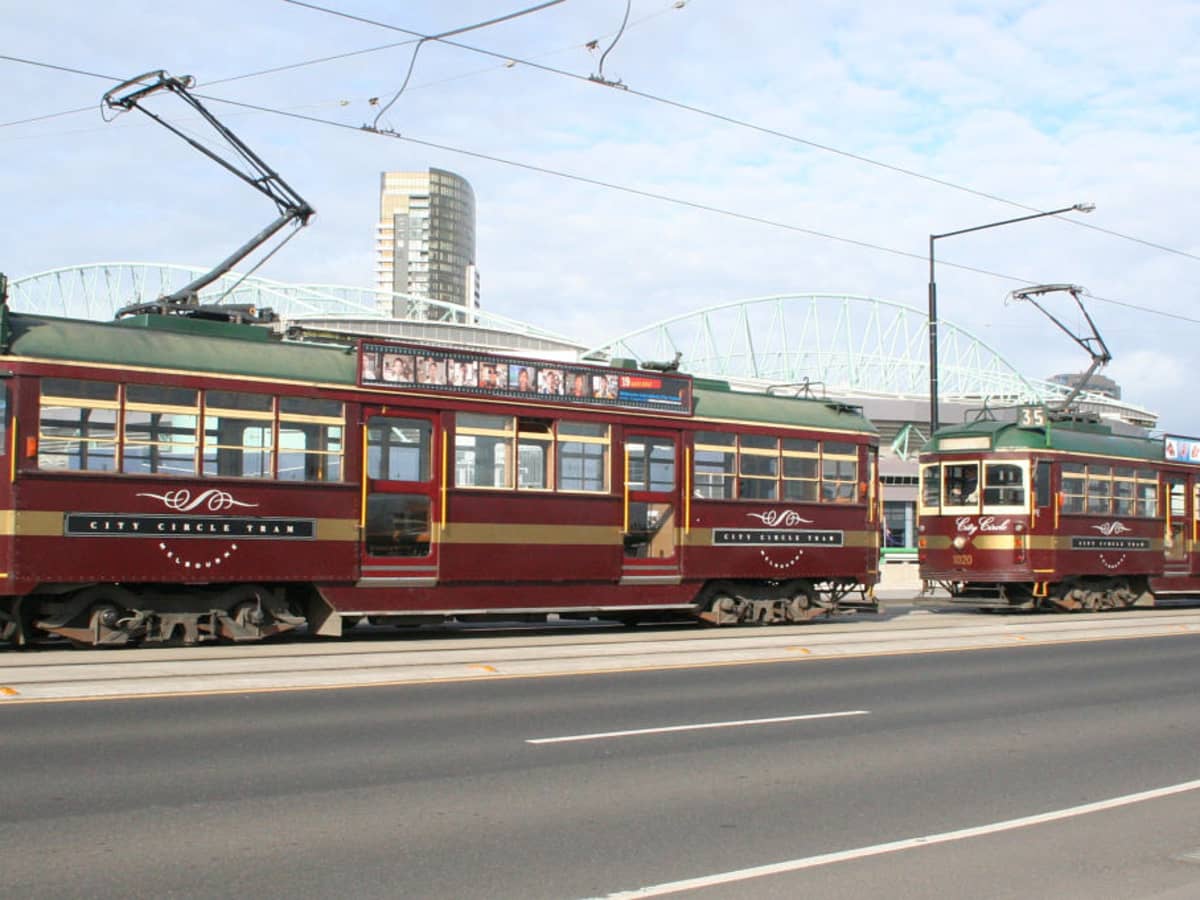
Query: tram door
pixel 401 501
pixel 1179 524
pixel 651 508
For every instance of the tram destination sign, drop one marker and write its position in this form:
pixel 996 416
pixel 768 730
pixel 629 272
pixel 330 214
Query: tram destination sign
pixel 402 367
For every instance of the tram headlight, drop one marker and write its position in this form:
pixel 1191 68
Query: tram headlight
pixel 959 542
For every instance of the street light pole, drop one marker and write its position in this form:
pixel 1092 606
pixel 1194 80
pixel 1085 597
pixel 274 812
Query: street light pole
pixel 933 318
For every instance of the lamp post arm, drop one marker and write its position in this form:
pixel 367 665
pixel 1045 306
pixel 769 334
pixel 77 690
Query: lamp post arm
pixel 1039 215
pixel 933 323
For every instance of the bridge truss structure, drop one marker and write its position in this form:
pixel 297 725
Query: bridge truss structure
pixel 840 344
pixel 847 346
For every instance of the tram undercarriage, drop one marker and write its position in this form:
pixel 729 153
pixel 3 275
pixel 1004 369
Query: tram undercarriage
pixel 1079 594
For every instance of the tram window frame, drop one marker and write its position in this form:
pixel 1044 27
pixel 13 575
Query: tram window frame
pixel 242 414
pixel 588 444
pixel 1090 489
pixel 160 430
pixel 714 465
pixel 644 471
pixel 955 477
pixel 800 470
pixel 758 467
pixel 929 495
pixel 1044 496
pixel 321 425
pixel 1005 497
pixel 98 407
pixel 475 431
pixel 388 459
pixel 535 455
pixel 839 472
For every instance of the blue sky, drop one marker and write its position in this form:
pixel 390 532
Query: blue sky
pixel 1039 103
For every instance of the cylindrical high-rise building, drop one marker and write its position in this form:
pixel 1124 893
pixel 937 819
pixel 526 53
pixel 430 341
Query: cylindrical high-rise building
pixel 425 239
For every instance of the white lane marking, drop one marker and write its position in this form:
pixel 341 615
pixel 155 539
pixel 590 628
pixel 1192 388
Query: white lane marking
pixel 824 859
pixel 602 735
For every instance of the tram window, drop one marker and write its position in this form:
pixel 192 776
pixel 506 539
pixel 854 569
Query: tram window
pixel 77 428
pixel 839 472
pixel 535 443
pixel 758 466
pixel 4 420
pixel 1099 490
pixel 583 457
pixel 160 430
pixel 1123 491
pixel 1004 485
pixel 931 486
pixel 483 450
pixel 1175 491
pixel 239 431
pixel 310 439
pixel 651 533
pixel 398 525
pixel 651 463
pixel 714 465
pixel 1073 483
pixel 1147 493
pixel 398 449
pixel 960 484
pixel 801 470
pixel 1043 484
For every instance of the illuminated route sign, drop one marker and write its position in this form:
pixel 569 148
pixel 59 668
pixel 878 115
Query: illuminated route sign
pixel 397 366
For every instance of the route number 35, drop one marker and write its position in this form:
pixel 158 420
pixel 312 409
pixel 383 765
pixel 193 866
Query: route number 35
pixel 1031 416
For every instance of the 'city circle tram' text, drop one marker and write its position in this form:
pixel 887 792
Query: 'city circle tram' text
pixel 110 525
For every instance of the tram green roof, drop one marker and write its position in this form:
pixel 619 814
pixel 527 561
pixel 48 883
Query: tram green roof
pixel 1066 437
pixel 179 344
pixel 191 345
pixel 714 400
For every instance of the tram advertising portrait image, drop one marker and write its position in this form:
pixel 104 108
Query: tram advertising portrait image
pixel 181 479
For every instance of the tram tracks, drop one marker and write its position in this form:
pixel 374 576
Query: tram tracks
pixel 62 675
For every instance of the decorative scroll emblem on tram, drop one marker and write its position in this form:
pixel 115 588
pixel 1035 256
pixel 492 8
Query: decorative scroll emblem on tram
pixel 780 533
pixel 780 518
pixel 213 500
pixel 1111 540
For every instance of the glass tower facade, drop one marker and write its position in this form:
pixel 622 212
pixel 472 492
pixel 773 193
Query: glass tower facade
pixel 425 239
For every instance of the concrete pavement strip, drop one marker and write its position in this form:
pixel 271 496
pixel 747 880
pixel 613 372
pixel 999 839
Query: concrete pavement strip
pixel 77 675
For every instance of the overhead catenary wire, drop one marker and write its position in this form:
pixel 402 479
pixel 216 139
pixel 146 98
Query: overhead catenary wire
pixel 609 185
pixel 677 201
pixel 412 63
pixel 742 123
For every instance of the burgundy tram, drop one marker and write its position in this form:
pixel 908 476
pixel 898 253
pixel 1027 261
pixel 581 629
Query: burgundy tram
pixel 170 478
pixel 1063 515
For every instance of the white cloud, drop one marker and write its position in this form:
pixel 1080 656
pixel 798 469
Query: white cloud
pixel 1046 103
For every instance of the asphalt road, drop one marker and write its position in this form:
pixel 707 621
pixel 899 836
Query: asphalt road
pixel 435 790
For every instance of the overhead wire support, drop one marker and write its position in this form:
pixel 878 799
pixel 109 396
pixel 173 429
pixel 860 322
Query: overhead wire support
pixel 292 208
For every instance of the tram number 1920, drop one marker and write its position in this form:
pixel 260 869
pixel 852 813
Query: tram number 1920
pixel 963 559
